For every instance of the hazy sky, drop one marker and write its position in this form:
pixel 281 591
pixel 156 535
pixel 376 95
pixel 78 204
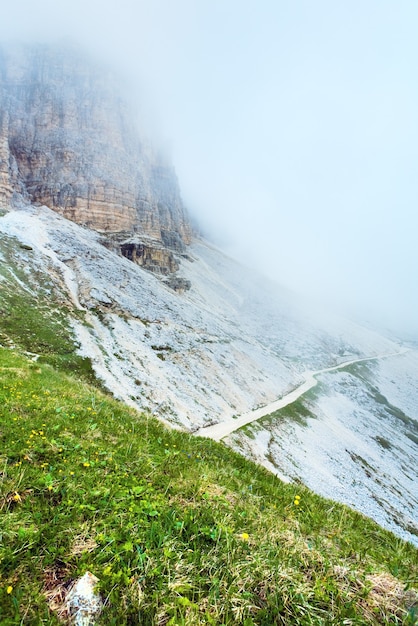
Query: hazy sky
pixel 292 124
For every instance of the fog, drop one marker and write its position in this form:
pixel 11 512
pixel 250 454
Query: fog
pixel 292 126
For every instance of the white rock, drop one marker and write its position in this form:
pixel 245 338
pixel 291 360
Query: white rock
pixel 83 603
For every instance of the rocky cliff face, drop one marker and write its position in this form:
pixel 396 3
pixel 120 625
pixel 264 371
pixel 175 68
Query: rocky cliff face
pixel 68 141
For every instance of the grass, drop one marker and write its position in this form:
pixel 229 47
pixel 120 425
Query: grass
pixel 296 412
pixel 35 314
pixel 178 529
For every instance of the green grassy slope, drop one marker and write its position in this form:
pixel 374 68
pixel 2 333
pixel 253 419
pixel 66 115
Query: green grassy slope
pixel 35 312
pixel 178 529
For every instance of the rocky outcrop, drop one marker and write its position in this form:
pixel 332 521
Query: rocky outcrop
pixel 68 141
pixel 144 251
pixel 178 283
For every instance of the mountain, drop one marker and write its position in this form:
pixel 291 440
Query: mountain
pixel 68 141
pixel 88 206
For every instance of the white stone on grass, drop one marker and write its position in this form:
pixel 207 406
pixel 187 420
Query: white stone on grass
pixel 83 602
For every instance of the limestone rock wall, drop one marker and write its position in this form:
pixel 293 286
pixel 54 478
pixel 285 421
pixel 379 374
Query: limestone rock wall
pixel 6 190
pixel 67 140
pixel 145 251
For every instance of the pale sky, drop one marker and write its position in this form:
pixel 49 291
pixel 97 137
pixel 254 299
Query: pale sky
pixel 292 124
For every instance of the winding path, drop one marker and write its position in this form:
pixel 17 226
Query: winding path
pixel 222 429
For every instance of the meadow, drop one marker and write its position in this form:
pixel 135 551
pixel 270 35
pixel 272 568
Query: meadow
pixel 178 529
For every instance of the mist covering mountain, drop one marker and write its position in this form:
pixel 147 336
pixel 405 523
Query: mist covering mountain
pixel 93 220
pixel 69 142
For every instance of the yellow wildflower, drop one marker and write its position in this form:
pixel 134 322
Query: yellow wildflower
pixel 17 497
pixel 9 589
pixel 244 536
